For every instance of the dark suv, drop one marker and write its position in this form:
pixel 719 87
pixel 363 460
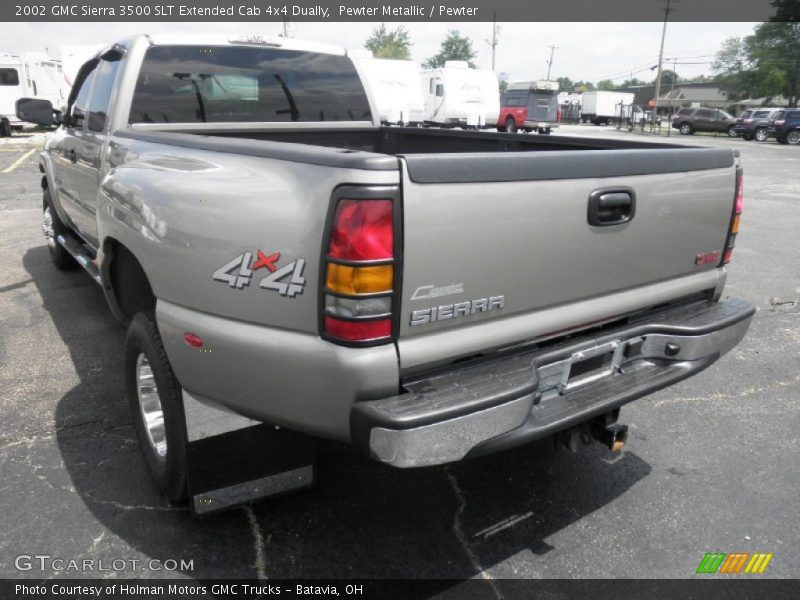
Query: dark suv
pixel 785 126
pixel 689 120
pixel 754 123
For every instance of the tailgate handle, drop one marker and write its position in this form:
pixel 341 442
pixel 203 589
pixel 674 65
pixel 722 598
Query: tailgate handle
pixel 611 207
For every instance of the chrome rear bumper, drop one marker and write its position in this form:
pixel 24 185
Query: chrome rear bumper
pixel 489 405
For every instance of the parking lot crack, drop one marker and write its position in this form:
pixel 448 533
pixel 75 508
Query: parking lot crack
pixel 122 506
pixel 260 563
pixel 741 394
pixel 462 537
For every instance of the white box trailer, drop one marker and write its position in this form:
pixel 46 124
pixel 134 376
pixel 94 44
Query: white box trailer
pixel 395 89
pixel 459 96
pixel 604 107
pixel 31 75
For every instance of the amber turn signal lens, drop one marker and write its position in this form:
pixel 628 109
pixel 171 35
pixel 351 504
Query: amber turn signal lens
pixel 359 280
pixel 735 225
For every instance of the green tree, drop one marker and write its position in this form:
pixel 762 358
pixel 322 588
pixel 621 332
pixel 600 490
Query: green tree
pixel 606 84
pixel 565 84
pixel 502 81
pixel 454 47
pixel 668 77
pixel 632 82
pixel 584 86
pixel 389 44
pixel 766 63
pixel 774 51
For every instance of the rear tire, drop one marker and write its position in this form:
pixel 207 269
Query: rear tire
pixel 52 227
pixel 793 138
pixel 686 129
pixel 511 125
pixel 154 395
pixel 761 134
pixel 5 128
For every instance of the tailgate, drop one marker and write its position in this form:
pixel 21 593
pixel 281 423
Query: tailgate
pixel 491 236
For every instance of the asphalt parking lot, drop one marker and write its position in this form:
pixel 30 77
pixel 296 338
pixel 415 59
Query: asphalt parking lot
pixel 711 464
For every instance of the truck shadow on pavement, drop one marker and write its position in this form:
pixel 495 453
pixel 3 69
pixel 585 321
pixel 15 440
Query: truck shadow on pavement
pixel 360 520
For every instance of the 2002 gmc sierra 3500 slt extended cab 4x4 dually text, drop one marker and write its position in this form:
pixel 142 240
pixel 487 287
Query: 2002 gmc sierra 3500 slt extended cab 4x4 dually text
pixel 290 270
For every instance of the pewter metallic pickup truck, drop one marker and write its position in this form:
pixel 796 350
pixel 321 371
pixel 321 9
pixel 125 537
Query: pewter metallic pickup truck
pixel 290 270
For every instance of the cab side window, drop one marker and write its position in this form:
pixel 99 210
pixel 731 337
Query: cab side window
pixel 106 73
pixel 81 105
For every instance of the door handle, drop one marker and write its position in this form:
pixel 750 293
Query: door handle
pixel 73 157
pixel 611 206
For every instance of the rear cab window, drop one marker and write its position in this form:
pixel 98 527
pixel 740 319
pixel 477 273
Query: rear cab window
pixel 9 77
pixel 217 84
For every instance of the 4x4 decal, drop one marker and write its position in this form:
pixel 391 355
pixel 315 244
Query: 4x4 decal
pixel 238 273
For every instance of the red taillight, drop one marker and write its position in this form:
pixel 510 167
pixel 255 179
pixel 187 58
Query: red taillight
pixel 748 120
pixel 358 331
pixel 733 228
pixel 362 230
pixel 359 272
pixel 779 123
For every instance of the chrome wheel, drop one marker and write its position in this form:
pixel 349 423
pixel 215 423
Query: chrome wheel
pixel 47 228
pixel 793 138
pixel 761 134
pixel 686 129
pixel 150 407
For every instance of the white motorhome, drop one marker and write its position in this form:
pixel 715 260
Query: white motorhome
pixel 32 75
pixel 604 107
pixel 456 95
pixel 395 89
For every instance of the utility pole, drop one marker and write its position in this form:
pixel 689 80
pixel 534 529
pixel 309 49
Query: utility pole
pixel 667 10
pixel 550 62
pixel 671 93
pixel 494 41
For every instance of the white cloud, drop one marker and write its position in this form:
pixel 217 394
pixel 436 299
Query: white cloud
pixel 588 51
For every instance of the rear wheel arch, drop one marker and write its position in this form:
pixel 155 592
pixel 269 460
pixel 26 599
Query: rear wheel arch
pixel 125 282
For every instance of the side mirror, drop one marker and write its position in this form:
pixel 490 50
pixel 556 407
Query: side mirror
pixel 35 110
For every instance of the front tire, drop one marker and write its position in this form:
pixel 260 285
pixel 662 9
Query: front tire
pixel 731 131
pixel 686 129
pixel 793 138
pixel 52 227
pixel 5 128
pixel 761 134
pixel 154 395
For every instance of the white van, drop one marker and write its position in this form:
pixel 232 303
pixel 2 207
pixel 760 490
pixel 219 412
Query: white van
pixel 457 95
pixel 395 89
pixel 32 75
